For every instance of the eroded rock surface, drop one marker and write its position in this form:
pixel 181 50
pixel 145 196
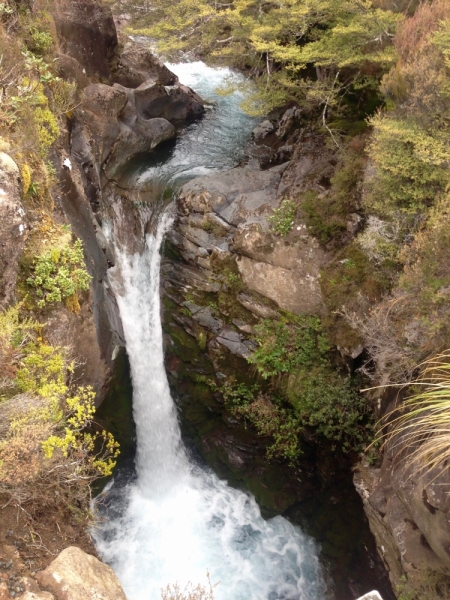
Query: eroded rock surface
pixel 13 227
pixel 87 33
pixel 115 124
pixel 408 514
pixel 75 575
pixel 136 65
pixel 228 213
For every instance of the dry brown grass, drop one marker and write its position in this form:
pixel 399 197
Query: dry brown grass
pixel 189 592
pixel 414 33
pixel 419 428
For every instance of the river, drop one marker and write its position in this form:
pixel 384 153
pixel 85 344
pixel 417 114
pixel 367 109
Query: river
pixel 175 521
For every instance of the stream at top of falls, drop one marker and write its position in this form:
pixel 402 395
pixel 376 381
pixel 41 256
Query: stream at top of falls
pixel 176 520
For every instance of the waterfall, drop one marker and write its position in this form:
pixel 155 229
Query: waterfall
pixel 176 521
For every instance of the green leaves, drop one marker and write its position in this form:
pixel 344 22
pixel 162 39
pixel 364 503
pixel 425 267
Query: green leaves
pixel 332 405
pixel 279 41
pixel 282 219
pixel 284 347
pixel 59 274
pixel 411 165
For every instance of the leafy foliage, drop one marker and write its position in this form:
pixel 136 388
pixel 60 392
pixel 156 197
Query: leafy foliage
pixel 284 347
pixel 411 166
pixel 59 274
pixel 269 418
pixel 79 444
pixel 321 401
pixel 279 41
pixel 282 219
pixel 306 391
pixel 332 405
pixel 50 448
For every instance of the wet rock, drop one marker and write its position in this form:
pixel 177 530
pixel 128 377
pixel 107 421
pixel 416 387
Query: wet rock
pixel 262 130
pixel 13 227
pixel 132 142
pixel 114 124
pixel 203 316
pixel 236 196
pixel 75 575
pixel 184 275
pixel 176 103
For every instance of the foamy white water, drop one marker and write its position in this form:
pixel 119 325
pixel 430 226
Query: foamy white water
pixel 177 520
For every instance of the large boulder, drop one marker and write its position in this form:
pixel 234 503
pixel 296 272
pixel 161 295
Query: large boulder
pixel 239 195
pixel 114 124
pixel 75 575
pixel 136 64
pixel 87 33
pixel 176 103
pixel 13 227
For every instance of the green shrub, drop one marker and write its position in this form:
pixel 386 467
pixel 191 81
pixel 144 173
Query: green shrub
pixel 59 274
pixel 282 219
pixel 352 276
pixel 269 418
pixel 322 400
pixel 47 127
pixel 319 217
pixel 39 41
pixel 284 347
pixel 411 166
pixel 332 406
pixel 50 450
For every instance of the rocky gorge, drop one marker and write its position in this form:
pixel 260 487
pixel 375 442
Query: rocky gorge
pixel 225 271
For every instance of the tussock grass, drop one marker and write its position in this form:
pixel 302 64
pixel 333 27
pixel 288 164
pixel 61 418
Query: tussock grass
pixel 419 429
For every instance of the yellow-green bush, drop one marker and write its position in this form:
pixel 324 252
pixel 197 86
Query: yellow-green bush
pixel 59 274
pixel 47 127
pixel 50 448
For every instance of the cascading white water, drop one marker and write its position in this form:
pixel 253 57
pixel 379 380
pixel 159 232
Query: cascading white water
pixel 177 520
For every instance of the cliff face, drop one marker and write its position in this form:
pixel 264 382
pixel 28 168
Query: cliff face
pixel 407 512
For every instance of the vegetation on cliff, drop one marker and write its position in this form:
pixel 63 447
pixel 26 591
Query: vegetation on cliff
pixel 50 448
